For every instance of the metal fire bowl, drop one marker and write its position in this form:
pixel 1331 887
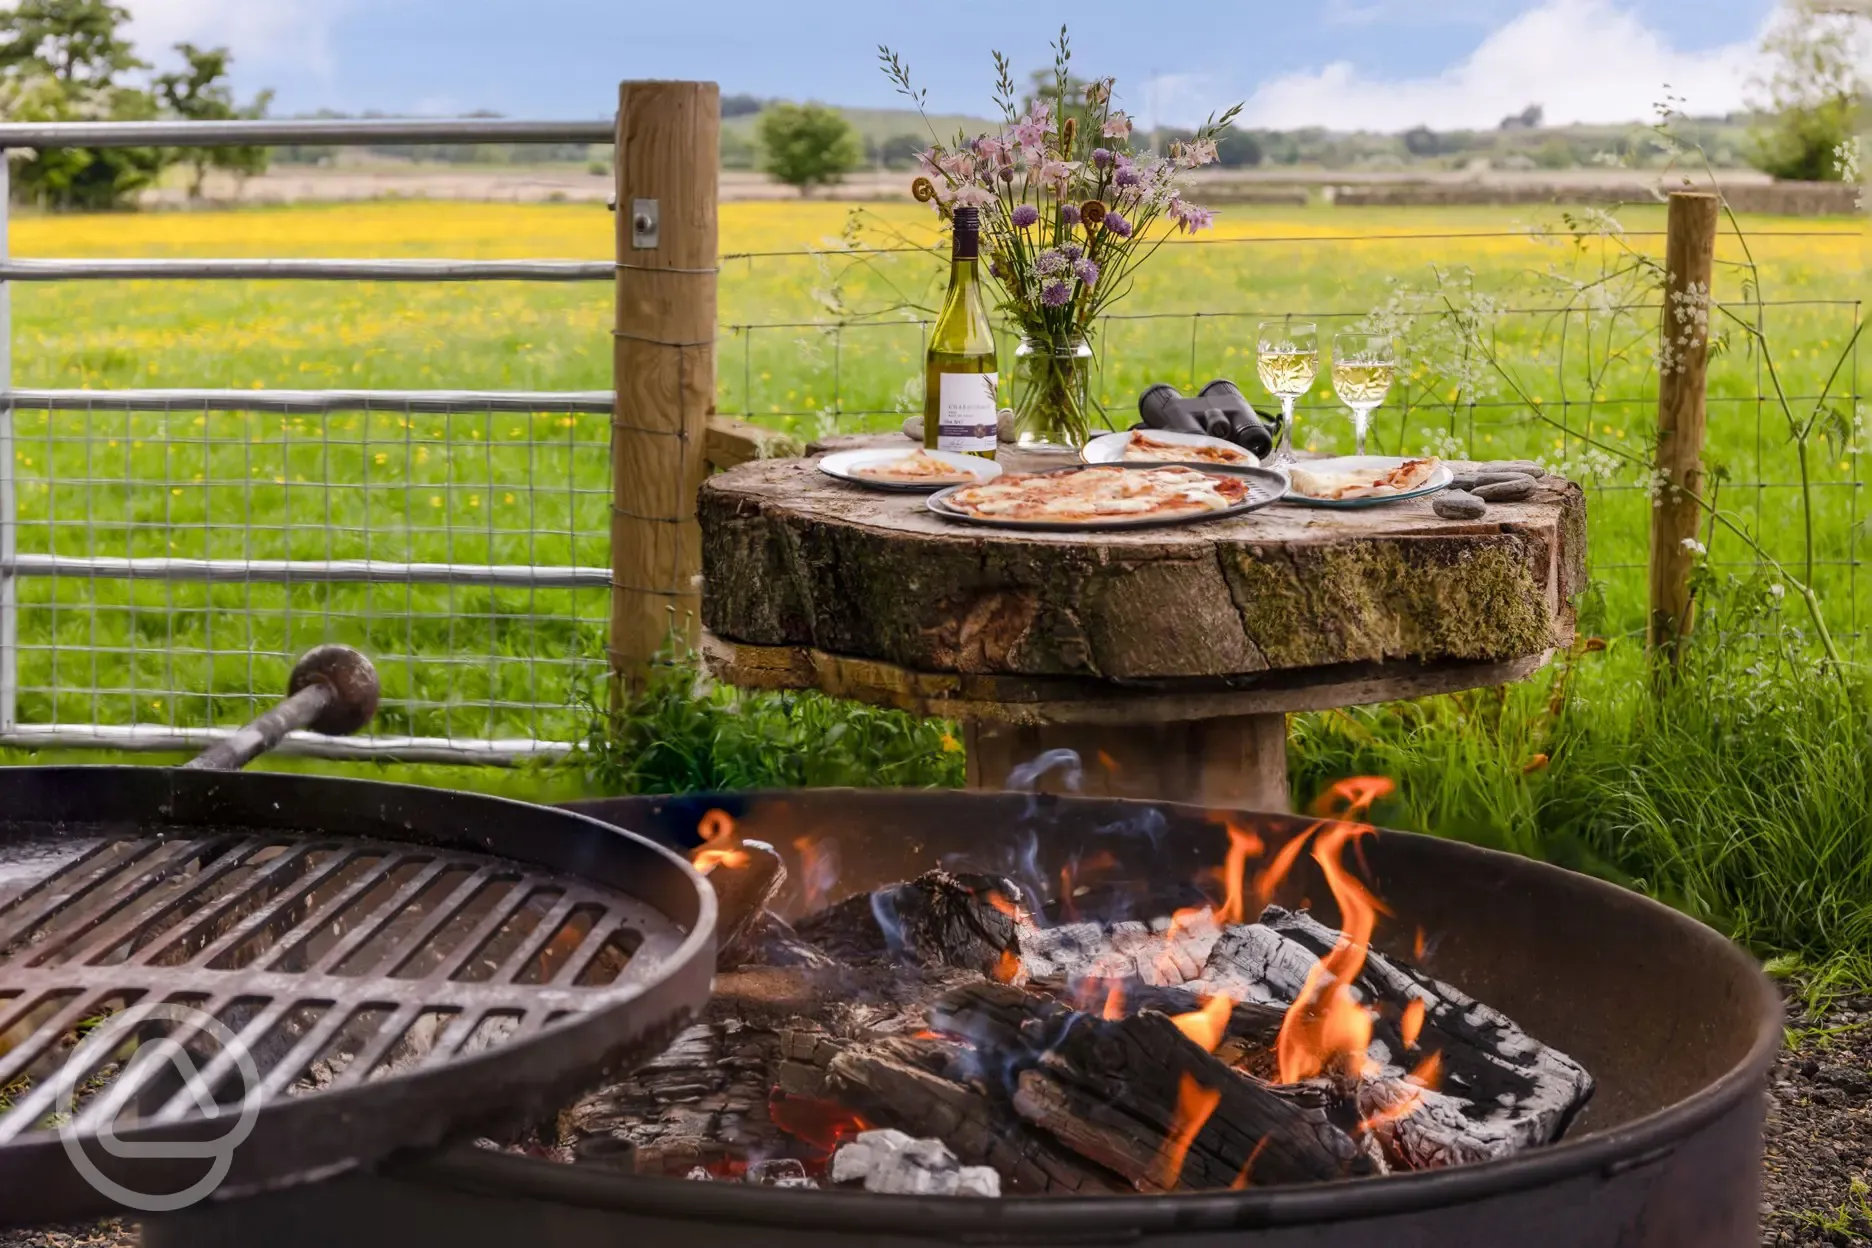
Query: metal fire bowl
pixel 1677 1025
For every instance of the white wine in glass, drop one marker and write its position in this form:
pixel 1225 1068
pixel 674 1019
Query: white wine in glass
pixel 1363 367
pixel 1287 357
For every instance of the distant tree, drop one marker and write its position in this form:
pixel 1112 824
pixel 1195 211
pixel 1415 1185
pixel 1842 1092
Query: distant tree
pixel 1423 141
pixel 741 105
pixel 200 92
pixel 1238 149
pixel 1530 118
pixel 75 41
pixel 59 60
pixel 808 145
pixel 1814 96
pixel 900 150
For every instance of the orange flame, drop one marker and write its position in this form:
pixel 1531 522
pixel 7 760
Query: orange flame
pixel 1403 1107
pixel 715 825
pixel 1007 969
pixel 706 860
pixel 1109 763
pixel 1428 1073
pixel 999 900
pixel 1417 945
pixel 1412 1025
pixel 1352 798
pixel 811 857
pixel 1114 1002
pixel 1244 1179
pixel 1207 1026
pixel 1269 880
pixel 1195 1104
pixel 1243 845
pixel 1327 1025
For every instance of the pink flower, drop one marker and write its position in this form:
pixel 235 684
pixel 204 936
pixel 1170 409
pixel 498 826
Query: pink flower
pixel 1196 152
pixel 926 161
pixel 1031 131
pixel 969 195
pixel 957 165
pixel 1117 126
pixel 1188 216
pixel 1057 174
pixel 992 151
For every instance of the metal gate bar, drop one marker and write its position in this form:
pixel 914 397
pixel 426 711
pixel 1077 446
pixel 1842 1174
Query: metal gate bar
pixel 15 566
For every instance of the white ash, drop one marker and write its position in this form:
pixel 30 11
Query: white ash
pixel 892 1163
pixel 699 1174
pixel 1163 953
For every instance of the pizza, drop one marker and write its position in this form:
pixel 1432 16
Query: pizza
pixel 1364 482
pixel 916 468
pixel 1088 495
pixel 1143 447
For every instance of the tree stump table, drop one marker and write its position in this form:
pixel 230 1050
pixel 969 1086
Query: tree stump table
pixel 1166 658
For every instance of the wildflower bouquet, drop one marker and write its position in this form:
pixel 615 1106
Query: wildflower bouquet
pixel 1068 212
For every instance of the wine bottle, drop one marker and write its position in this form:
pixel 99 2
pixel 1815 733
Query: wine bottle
pixel 960 408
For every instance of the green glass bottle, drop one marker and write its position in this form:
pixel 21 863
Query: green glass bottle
pixel 960 405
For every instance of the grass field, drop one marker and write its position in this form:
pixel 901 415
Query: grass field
pixel 811 341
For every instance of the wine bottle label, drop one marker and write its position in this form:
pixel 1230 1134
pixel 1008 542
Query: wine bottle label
pixel 966 412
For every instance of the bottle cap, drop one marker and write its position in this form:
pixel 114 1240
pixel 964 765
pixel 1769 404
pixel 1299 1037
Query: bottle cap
pixel 967 242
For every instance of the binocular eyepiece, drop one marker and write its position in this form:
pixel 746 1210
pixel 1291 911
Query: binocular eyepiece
pixel 1220 411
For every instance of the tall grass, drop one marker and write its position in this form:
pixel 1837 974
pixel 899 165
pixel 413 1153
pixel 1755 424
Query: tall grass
pixel 1739 792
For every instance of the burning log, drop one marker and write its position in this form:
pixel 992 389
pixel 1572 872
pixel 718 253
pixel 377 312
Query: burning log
pixel 1499 1091
pixel 1166 951
pixel 745 878
pixel 937 919
pixel 1137 1097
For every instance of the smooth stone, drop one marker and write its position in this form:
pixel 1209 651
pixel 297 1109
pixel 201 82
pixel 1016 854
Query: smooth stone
pixel 1519 467
pixel 1458 505
pixel 913 428
pixel 1507 491
pixel 1470 480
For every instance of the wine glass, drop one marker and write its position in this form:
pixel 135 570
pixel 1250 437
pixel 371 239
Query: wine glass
pixel 1362 370
pixel 1287 357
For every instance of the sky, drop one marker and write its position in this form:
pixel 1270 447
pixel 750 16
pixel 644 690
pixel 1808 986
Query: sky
pixel 1347 64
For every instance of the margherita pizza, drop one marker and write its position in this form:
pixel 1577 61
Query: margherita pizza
pixel 1091 495
pixel 1143 447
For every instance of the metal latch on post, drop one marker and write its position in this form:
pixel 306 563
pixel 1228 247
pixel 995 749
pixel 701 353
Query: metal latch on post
pixel 644 218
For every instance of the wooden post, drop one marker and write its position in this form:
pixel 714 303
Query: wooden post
pixel 668 140
pixel 1683 357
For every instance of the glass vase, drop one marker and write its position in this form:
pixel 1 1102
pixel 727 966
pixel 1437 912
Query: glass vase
pixel 1052 393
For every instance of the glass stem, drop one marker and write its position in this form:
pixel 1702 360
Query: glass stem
pixel 1361 420
pixel 1283 454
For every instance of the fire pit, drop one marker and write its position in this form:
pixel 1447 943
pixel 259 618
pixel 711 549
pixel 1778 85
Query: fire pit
pixel 1674 1026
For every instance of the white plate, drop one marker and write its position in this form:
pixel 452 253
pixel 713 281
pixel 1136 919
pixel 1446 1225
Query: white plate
pixel 1439 480
pixel 841 464
pixel 1109 448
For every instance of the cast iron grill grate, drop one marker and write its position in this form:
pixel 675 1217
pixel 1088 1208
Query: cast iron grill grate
pixel 335 962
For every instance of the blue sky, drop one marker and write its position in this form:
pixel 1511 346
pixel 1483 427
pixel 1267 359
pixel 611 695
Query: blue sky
pixel 1381 63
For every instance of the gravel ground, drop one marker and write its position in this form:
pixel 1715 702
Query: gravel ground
pixel 1819 1155
pixel 1817 1184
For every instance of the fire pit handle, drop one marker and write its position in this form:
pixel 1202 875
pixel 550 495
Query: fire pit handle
pixel 333 691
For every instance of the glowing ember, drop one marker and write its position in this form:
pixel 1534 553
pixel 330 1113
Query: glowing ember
pixel 1008 968
pixel 1207 1026
pixel 1195 1104
pixel 821 1125
pixel 1327 1026
pixel 1412 1025
pixel 1114 1002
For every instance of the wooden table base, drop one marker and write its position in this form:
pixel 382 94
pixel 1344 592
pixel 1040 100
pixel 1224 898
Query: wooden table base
pixel 1236 762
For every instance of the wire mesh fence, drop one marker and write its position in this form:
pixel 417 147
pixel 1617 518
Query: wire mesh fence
pixel 176 549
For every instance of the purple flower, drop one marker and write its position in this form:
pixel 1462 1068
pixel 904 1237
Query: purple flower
pixel 1072 251
pixel 1127 175
pixel 1006 173
pixel 1024 216
pixel 1070 214
pixel 1102 157
pixel 1049 262
pixel 1117 225
pixel 1189 217
pixel 1056 294
pixel 1087 272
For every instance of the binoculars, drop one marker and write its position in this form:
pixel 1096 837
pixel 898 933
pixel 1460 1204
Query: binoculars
pixel 1219 410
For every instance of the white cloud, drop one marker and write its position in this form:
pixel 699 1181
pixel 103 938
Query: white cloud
pixel 1582 60
pixel 261 33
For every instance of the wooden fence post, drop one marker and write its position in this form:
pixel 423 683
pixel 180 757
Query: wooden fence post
pixel 668 139
pixel 1683 357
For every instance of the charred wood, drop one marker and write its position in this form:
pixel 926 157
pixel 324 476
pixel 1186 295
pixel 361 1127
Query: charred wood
pixel 1111 1091
pixel 937 919
pixel 744 885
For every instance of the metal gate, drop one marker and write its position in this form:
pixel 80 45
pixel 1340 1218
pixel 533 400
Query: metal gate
pixel 178 619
